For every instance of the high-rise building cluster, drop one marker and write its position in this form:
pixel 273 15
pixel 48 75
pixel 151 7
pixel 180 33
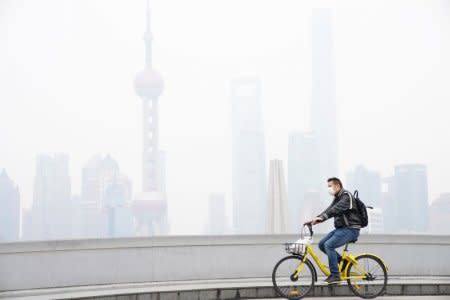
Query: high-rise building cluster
pixel 106 207
pixel 399 203
pixel 261 202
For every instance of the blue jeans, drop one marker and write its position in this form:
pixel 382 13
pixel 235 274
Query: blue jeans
pixel 333 240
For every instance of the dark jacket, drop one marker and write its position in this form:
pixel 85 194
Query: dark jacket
pixel 344 210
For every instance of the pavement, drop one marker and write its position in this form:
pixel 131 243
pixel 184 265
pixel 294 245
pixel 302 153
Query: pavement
pixel 382 298
pixel 403 288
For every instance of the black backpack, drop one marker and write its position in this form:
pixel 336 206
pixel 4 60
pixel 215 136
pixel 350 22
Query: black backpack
pixel 362 209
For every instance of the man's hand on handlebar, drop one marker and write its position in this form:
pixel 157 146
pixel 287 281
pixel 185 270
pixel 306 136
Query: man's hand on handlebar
pixel 314 221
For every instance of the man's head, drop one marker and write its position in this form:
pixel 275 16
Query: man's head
pixel 334 185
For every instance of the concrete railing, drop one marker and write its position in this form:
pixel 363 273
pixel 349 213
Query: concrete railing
pixel 50 264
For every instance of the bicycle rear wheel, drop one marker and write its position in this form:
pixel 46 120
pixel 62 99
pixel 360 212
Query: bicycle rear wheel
pixel 375 277
pixel 287 284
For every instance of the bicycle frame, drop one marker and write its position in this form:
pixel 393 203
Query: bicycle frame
pixel 346 256
pixel 360 270
pixel 324 268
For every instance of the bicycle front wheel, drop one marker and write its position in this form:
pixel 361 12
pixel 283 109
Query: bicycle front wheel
pixel 290 284
pixel 367 279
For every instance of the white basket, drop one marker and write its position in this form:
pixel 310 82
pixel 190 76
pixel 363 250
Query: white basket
pixel 298 247
pixel 295 248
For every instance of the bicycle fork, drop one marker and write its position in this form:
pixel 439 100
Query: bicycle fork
pixel 299 268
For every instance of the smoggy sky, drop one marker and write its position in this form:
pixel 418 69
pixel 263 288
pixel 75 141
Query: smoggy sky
pixel 67 71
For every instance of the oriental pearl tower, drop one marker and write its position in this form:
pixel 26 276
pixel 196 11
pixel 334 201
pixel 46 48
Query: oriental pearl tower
pixel 150 207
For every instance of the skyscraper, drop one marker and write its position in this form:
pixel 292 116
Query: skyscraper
pixel 117 206
pixel 95 174
pixel 9 209
pixel 104 209
pixel 376 221
pixel 323 115
pixel 439 215
pixel 389 205
pixel 150 205
pixel 406 207
pixel 368 184
pixel 217 220
pixel 303 179
pixel 248 158
pixel 278 220
pixel 50 215
pixel 91 218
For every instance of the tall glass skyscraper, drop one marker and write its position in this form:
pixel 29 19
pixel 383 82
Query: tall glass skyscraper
pixel 406 207
pixel 50 216
pixel 9 209
pixel 368 184
pixel 248 158
pixel 278 220
pixel 304 181
pixel 217 220
pixel 323 115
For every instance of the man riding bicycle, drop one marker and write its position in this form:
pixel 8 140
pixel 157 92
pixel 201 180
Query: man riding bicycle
pixel 347 223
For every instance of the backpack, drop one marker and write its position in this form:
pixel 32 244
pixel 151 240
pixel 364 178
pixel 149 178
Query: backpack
pixel 362 210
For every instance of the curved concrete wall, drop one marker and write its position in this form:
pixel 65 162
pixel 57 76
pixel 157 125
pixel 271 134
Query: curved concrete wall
pixel 30 265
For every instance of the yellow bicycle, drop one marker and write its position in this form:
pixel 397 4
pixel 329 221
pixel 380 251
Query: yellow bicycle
pixel 294 276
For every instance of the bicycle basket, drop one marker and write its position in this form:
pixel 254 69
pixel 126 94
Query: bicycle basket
pixel 295 248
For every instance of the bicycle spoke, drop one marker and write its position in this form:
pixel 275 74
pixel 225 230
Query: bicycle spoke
pixel 377 267
pixel 368 266
pixel 375 282
pixel 288 285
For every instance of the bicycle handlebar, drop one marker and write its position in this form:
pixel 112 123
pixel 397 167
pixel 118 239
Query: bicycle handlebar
pixel 309 225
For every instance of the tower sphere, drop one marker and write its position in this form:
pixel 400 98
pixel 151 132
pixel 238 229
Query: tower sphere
pixel 148 84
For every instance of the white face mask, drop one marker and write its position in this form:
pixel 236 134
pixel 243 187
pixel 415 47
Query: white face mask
pixel 331 191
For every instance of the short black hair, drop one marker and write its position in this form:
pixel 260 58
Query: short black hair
pixel 335 180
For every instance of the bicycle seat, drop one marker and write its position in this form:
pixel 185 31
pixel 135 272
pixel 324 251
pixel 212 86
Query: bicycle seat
pixel 354 241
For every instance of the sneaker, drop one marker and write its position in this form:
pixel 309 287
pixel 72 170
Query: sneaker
pixel 333 279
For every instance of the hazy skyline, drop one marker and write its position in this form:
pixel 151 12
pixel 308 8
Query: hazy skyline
pixel 67 86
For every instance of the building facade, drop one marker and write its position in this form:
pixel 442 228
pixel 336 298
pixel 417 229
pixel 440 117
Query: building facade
pixel 9 209
pixel 278 219
pixel 323 116
pixel 368 184
pixel 50 216
pixel 217 218
pixel 440 215
pixel 248 157
pixel 104 209
pixel 405 204
pixel 303 179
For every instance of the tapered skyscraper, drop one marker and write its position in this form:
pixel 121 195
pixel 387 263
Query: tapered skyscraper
pixel 9 209
pixel 406 207
pixel 368 184
pixel 324 92
pixel 150 207
pixel 50 216
pixel 217 219
pixel 278 219
pixel 248 158
pixel 105 200
pixel 304 182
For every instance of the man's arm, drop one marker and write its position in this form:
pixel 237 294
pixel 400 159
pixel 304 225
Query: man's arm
pixel 325 212
pixel 318 219
pixel 337 209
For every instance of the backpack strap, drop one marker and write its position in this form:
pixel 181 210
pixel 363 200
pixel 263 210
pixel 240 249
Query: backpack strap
pixel 351 198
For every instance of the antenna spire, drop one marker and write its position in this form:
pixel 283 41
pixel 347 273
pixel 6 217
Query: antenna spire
pixel 148 37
